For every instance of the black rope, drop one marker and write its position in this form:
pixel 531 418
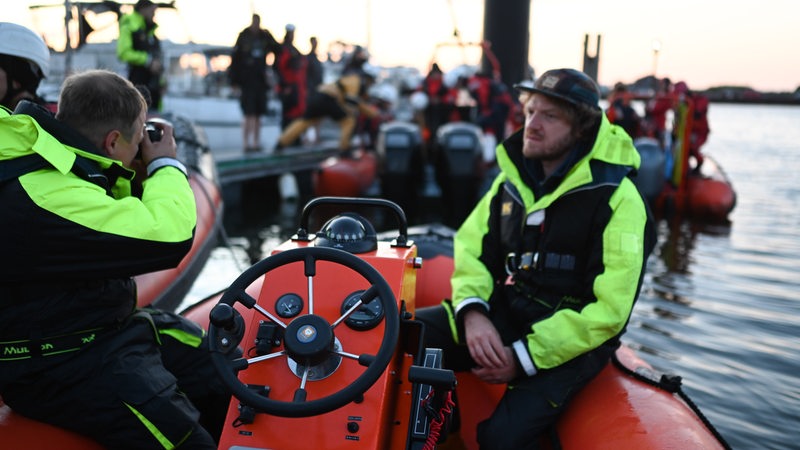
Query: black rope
pixel 672 384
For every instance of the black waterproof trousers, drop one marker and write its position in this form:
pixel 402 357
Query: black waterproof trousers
pixel 135 387
pixel 530 405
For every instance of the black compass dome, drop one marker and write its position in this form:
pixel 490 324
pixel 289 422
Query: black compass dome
pixel 349 232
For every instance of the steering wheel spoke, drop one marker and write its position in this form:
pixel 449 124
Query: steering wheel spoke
pixel 304 379
pixel 365 297
pixel 347 313
pixel 345 354
pixel 257 359
pixel 270 316
pixel 364 359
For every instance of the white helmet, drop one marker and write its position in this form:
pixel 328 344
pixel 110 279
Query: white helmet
pixel 384 92
pixel 451 78
pixel 16 40
pixel 419 100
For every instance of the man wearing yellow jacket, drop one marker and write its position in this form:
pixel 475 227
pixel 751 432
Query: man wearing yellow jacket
pixel 140 48
pixel 549 263
pixel 75 351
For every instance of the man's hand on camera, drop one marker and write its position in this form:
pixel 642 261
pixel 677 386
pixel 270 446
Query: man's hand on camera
pixel 165 147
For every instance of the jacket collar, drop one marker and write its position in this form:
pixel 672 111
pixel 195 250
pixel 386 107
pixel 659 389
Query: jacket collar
pixel 611 145
pixel 59 130
pixel 87 161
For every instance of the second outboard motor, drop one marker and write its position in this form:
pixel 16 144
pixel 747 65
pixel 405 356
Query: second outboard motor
pixel 458 167
pixel 399 148
pixel 650 177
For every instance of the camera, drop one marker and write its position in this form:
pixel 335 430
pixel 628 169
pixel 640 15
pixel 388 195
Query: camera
pixel 153 132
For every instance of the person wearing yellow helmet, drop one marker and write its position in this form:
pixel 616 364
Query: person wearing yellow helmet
pixel 24 62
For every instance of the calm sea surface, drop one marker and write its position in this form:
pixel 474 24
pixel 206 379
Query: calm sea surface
pixel 720 305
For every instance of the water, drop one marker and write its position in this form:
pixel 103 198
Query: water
pixel 720 305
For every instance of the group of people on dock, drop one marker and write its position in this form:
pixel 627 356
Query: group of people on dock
pixel 296 78
pixel 477 97
pixel 298 82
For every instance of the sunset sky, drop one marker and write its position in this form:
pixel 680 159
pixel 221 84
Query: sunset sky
pixel 703 42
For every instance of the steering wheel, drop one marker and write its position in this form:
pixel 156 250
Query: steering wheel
pixel 308 338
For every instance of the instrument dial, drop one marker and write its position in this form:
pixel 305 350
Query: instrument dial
pixel 367 316
pixel 288 305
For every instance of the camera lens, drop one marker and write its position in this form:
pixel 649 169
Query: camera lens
pixel 152 132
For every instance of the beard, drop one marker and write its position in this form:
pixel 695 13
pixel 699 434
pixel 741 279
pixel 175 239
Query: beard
pixel 552 152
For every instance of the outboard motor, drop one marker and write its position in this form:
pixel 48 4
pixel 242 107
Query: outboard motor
pixel 651 175
pixel 399 148
pixel 458 167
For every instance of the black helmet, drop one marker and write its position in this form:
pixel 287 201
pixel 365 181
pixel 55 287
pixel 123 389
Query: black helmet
pixel 570 85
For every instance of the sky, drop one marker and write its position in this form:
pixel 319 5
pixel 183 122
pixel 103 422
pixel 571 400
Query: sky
pixel 705 43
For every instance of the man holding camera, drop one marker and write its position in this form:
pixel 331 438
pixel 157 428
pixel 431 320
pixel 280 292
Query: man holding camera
pixel 75 351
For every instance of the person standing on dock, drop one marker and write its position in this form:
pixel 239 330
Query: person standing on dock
pixel 314 70
pixel 549 263
pixel 248 74
pixel 315 74
pixel 140 48
pixel 75 350
pixel 290 65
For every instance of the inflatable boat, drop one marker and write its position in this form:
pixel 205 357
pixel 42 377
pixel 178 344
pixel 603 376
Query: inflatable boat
pixel 349 175
pixel 333 357
pixel 674 190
